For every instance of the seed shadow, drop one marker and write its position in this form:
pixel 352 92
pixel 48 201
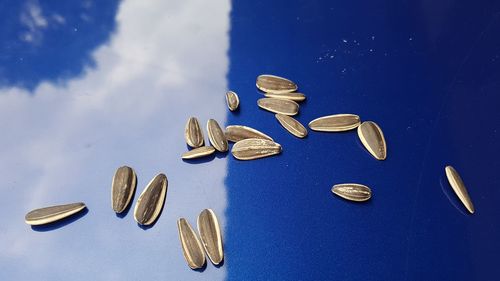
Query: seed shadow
pixel 220 155
pixel 220 264
pixel 452 197
pixel 201 269
pixel 60 223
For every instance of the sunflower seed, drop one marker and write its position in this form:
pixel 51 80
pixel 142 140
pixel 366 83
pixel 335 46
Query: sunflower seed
pixel 236 133
pixel 372 138
pixel 291 125
pixel 209 229
pixel 335 123
pixel 191 245
pixel 352 191
pixel 255 148
pixel 150 202
pixel 458 186
pixel 122 188
pixel 287 96
pixel 233 101
pixel 286 107
pixel 216 136
pixel 198 152
pixel 52 214
pixel 193 133
pixel 275 84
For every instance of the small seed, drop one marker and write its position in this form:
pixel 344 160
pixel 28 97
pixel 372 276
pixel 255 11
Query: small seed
pixel 150 202
pixel 287 96
pixel 249 149
pixel 459 187
pixel 209 229
pixel 335 123
pixel 53 213
pixel 286 107
pixel 198 152
pixel 122 188
pixel 352 191
pixel 373 139
pixel 236 133
pixel 191 245
pixel 275 84
pixel 193 133
pixel 291 125
pixel 216 136
pixel 233 101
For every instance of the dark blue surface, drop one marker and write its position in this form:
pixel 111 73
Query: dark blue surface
pixel 120 91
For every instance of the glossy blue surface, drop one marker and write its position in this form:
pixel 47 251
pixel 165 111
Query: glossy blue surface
pixel 427 72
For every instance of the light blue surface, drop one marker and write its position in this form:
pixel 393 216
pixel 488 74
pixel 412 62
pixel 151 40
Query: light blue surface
pixel 88 87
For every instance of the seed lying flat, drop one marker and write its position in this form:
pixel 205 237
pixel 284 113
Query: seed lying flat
pixel 148 206
pixel 122 188
pixel 352 191
pixel 209 229
pixel 53 213
pixel 233 101
pixel 275 84
pixel 191 245
pixel 193 133
pixel 198 152
pixel 373 139
pixel 250 149
pixel 236 133
pixel 286 107
pixel 458 186
pixel 287 96
pixel 335 123
pixel 291 125
pixel 216 136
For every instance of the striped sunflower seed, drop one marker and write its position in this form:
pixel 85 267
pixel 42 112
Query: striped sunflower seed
pixel 287 96
pixel 193 133
pixel 373 139
pixel 150 202
pixel 209 229
pixel 275 84
pixel 459 187
pixel 236 133
pixel 198 152
pixel 53 213
pixel 291 125
pixel 191 245
pixel 250 149
pixel 122 188
pixel 216 136
pixel 335 123
pixel 233 101
pixel 352 191
pixel 286 107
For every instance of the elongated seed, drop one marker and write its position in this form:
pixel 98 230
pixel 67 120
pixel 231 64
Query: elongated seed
pixel 233 101
pixel 53 213
pixel 122 188
pixel 459 187
pixel 150 202
pixel 275 84
pixel 191 245
pixel 335 123
pixel 216 136
pixel 198 152
pixel 287 96
pixel 236 133
pixel 250 149
pixel 291 125
pixel 286 107
pixel 352 191
pixel 210 234
pixel 193 133
pixel 373 139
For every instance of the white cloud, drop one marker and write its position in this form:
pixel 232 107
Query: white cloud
pixel 33 20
